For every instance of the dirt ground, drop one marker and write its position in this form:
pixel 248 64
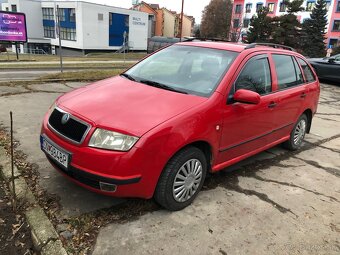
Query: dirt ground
pixel 15 236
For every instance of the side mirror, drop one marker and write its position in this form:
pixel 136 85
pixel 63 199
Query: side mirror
pixel 247 97
pixel 331 60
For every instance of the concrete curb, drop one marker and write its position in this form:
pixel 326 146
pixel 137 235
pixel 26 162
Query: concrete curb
pixel 45 238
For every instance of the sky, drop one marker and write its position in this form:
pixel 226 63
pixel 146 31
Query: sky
pixel 191 7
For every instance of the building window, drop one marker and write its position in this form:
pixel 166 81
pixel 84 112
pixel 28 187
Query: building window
pixel 271 7
pixel 48 13
pixel 7 9
pixel 310 5
pixel 14 7
pixel 259 6
pixel 336 25
pixel 248 8
pixel 246 23
pixel 238 8
pixel 61 14
pixel 282 7
pixel 72 13
pixel 338 6
pixel 333 42
pixel 49 32
pixel 236 23
pixel 68 34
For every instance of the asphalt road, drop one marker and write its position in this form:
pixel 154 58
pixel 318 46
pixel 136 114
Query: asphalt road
pixel 276 202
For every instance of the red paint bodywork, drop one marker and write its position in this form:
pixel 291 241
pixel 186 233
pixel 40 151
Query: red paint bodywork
pixel 167 121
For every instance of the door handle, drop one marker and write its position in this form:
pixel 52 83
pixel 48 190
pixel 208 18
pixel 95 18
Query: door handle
pixel 303 95
pixel 272 105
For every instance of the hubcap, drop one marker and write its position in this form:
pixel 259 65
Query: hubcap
pixel 299 132
pixel 187 180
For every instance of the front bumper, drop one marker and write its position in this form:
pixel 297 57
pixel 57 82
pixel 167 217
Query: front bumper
pixel 128 172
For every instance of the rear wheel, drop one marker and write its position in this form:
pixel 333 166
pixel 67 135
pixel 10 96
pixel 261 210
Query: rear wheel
pixel 181 179
pixel 298 134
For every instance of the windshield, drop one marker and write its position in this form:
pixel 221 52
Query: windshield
pixel 185 69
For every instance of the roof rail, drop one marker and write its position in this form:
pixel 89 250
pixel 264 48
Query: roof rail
pixel 190 39
pixel 276 46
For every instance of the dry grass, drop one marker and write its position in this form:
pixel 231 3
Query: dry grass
pixel 4 57
pixel 92 75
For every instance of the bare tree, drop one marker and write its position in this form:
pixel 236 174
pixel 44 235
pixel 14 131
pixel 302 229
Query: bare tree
pixel 216 19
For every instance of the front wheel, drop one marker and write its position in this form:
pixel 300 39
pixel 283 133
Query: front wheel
pixel 298 134
pixel 181 179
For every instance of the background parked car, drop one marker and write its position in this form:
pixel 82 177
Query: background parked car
pixel 327 68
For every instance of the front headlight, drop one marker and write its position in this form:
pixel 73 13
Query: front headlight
pixel 105 139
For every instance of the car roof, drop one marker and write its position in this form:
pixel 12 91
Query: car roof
pixel 237 47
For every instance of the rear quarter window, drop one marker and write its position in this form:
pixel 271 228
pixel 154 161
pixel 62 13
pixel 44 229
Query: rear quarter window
pixel 306 70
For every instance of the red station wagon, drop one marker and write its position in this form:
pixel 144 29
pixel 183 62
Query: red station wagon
pixel 193 107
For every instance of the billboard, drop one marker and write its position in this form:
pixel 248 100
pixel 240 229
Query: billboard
pixel 13 27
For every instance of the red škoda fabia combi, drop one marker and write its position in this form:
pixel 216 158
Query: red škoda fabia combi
pixel 158 128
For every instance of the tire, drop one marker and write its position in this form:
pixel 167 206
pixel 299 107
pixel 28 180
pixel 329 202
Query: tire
pixel 176 196
pixel 297 135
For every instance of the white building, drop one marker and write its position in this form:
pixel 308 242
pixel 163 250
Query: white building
pixel 83 26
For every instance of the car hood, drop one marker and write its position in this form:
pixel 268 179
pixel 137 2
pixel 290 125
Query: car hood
pixel 125 106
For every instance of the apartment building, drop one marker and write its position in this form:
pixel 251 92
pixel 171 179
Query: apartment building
pixel 243 11
pixel 166 22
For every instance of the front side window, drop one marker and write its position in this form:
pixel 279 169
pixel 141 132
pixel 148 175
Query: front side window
pixel 307 71
pixel 193 70
pixel 287 71
pixel 248 8
pixel 336 25
pixel 338 6
pixel 255 76
pixel 271 7
pixel 310 6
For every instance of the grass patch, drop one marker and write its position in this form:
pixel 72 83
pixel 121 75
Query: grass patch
pixel 93 75
pixel 67 65
pixel 90 57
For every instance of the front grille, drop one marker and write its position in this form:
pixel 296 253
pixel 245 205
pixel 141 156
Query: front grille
pixel 72 129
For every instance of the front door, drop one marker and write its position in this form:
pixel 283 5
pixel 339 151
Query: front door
pixel 246 126
pixel 118 24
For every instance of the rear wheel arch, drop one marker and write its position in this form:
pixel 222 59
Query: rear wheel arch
pixel 309 115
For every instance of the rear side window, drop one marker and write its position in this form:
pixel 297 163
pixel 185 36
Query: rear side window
pixel 288 73
pixel 255 76
pixel 306 70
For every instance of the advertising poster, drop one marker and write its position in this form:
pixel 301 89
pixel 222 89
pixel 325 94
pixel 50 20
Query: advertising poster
pixel 13 27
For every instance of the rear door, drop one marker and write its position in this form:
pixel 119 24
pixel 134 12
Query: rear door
pixel 290 95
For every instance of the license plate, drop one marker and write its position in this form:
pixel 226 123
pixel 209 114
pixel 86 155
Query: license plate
pixel 55 153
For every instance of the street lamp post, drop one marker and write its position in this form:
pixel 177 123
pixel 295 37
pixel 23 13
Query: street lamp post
pixel 181 26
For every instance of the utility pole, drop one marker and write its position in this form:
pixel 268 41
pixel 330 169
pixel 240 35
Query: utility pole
pixel 181 26
pixel 58 33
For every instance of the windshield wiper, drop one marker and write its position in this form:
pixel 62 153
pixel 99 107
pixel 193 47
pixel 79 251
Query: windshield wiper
pixel 162 86
pixel 128 76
